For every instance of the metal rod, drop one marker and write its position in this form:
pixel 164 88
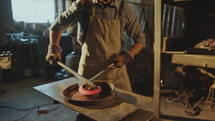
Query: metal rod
pixel 76 74
pixel 103 71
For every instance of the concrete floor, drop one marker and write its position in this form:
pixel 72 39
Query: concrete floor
pixel 19 93
pixel 176 111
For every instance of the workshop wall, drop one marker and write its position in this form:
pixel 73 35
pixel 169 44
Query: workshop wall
pixel 6 18
pixel 27 42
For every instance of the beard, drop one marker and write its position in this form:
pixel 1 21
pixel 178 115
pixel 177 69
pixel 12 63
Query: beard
pixel 105 1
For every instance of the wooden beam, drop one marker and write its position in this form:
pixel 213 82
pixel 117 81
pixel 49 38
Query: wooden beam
pixel 157 55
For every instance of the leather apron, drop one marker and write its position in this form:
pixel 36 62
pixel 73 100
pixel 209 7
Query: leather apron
pixel 103 41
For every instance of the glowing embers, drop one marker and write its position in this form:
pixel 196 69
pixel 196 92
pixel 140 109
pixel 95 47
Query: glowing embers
pixel 104 91
pixel 89 91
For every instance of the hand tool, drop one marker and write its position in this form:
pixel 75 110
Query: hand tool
pixel 77 75
pixel 85 91
pixel 111 66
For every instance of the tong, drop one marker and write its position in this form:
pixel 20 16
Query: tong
pixel 76 74
pixel 89 82
pixel 111 66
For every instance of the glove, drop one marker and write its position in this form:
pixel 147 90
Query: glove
pixel 53 54
pixel 123 58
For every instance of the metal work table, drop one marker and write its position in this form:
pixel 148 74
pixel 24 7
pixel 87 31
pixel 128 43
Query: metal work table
pixel 130 107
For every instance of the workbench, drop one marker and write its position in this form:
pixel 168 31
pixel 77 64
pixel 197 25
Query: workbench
pixel 130 107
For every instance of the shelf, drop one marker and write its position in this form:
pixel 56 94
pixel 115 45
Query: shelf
pixel 206 61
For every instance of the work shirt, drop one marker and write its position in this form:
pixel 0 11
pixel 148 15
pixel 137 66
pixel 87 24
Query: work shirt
pixel 78 14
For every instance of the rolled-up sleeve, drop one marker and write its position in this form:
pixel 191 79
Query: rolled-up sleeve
pixel 132 27
pixel 70 17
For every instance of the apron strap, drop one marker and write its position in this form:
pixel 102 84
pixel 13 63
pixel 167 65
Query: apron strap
pixel 93 11
pixel 85 24
pixel 116 13
pixel 121 7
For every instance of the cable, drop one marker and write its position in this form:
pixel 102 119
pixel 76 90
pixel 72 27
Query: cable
pixel 39 109
pixel 8 107
pixel 21 109
pixel 24 116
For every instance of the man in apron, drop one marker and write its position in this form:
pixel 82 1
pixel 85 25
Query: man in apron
pixel 101 27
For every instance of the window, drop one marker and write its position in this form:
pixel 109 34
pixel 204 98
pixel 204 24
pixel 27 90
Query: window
pixel 33 11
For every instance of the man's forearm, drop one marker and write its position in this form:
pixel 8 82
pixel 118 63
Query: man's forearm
pixel 136 48
pixel 54 36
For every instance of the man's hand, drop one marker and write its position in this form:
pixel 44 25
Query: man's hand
pixel 53 54
pixel 123 58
